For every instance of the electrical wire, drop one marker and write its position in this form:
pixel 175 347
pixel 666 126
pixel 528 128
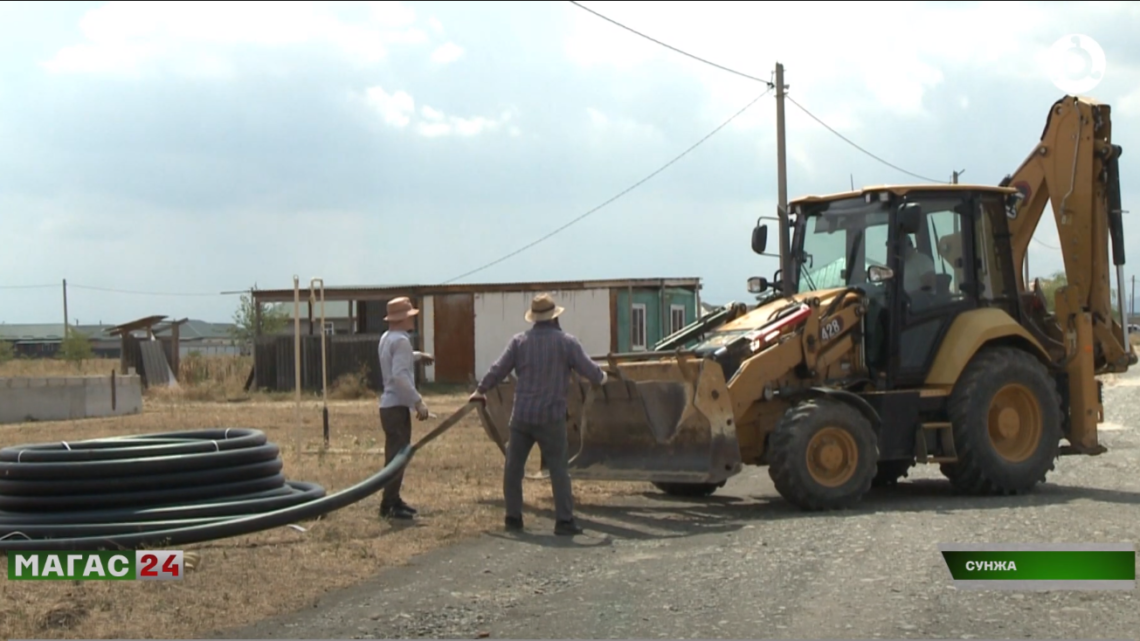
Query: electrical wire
pixel 850 142
pixel 137 293
pixel 770 84
pixel 119 291
pixel 671 47
pixel 619 195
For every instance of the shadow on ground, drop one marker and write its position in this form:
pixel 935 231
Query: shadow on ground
pixel 663 516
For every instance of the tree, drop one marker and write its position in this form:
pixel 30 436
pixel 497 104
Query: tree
pixel 7 351
pixel 274 319
pixel 1050 285
pixel 76 347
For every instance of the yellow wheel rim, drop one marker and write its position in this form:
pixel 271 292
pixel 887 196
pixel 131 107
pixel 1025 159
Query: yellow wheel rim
pixel 1014 423
pixel 832 457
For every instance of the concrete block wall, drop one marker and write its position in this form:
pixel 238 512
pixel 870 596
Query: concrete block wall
pixel 62 398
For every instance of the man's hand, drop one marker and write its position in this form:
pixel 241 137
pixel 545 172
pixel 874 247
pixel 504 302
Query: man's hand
pixel 423 357
pixel 476 397
pixel 421 411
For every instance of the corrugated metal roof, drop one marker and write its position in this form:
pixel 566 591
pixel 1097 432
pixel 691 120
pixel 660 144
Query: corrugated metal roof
pixel 47 331
pixel 376 292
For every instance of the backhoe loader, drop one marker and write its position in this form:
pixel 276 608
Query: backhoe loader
pixel 909 334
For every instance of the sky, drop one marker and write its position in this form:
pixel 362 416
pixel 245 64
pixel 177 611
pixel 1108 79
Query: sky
pixel 174 151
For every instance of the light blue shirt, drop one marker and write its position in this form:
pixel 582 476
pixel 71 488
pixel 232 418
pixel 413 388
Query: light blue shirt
pixel 397 369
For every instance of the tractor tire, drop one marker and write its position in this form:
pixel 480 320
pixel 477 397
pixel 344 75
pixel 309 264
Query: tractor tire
pixel 1006 416
pixel 698 490
pixel 890 472
pixel 823 455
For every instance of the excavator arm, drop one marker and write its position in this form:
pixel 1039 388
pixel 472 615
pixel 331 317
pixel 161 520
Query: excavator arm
pixel 1075 170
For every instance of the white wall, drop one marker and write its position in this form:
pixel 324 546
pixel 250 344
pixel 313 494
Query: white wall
pixel 427 327
pixel 499 316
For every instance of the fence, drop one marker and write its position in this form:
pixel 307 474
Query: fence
pixel 274 363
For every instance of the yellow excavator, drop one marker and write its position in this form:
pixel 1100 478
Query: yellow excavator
pixel 905 332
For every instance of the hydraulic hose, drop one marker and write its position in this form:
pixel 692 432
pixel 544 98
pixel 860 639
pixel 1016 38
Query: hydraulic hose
pixel 166 489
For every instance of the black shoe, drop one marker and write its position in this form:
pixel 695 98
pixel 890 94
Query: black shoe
pixel 514 523
pixel 396 512
pixel 567 528
pixel 406 507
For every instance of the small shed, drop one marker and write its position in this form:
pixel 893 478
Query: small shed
pixel 467 326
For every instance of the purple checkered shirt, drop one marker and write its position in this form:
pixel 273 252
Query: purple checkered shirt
pixel 542 358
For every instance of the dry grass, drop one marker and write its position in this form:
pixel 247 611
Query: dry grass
pixel 455 482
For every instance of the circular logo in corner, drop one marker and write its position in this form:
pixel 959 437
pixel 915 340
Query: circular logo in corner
pixel 1075 63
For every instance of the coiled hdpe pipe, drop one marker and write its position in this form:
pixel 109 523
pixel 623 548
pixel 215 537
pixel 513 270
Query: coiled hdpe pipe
pixel 170 488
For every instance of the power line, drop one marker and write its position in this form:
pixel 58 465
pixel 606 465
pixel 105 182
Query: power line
pixel 754 78
pixel 669 46
pixel 848 141
pixel 112 290
pixel 137 293
pixel 620 194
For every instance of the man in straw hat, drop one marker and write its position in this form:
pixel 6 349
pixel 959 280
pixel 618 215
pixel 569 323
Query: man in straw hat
pixel 541 358
pixel 397 367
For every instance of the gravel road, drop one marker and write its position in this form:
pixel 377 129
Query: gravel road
pixel 743 564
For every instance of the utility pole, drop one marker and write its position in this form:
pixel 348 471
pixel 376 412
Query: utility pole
pixel 957 174
pixel 65 308
pixel 782 179
pixel 1132 303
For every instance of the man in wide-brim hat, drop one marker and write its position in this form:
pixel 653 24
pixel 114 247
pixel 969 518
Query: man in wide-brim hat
pixel 399 396
pixel 541 358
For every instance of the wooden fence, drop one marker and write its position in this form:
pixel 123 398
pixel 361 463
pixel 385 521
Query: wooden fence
pixel 274 363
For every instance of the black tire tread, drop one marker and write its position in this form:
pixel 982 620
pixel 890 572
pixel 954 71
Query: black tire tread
pixel 787 467
pixel 976 472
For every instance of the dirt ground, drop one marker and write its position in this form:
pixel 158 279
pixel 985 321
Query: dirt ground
pixel 454 482
pixel 743 564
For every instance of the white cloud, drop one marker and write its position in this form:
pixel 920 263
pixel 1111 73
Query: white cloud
pixel 447 53
pixel 864 58
pixel 607 130
pixel 133 38
pixel 398 109
pixel 395 108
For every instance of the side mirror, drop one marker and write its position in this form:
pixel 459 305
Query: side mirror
pixel 878 273
pixel 757 285
pixel 910 218
pixel 1013 204
pixel 760 238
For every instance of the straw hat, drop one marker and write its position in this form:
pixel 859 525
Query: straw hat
pixel 543 308
pixel 400 309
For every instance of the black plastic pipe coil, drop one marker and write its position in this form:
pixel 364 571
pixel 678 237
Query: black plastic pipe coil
pixel 169 488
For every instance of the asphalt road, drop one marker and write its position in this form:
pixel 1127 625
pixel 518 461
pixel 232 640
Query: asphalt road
pixel 743 564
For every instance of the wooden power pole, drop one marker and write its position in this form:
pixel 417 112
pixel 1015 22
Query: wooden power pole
pixel 65 308
pixel 782 180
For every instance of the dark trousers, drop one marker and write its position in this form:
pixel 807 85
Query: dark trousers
pixel 551 440
pixel 397 425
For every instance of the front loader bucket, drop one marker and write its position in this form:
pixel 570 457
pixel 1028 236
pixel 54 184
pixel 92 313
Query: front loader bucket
pixel 668 419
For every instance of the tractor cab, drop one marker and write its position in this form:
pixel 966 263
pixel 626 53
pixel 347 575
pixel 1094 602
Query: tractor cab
pixel 908 250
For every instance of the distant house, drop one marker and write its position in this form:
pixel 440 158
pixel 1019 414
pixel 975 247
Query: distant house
pixel 202 337
pixel 43 340
pixel 467 326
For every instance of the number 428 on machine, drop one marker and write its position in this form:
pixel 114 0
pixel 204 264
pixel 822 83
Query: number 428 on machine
pixel 135 565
